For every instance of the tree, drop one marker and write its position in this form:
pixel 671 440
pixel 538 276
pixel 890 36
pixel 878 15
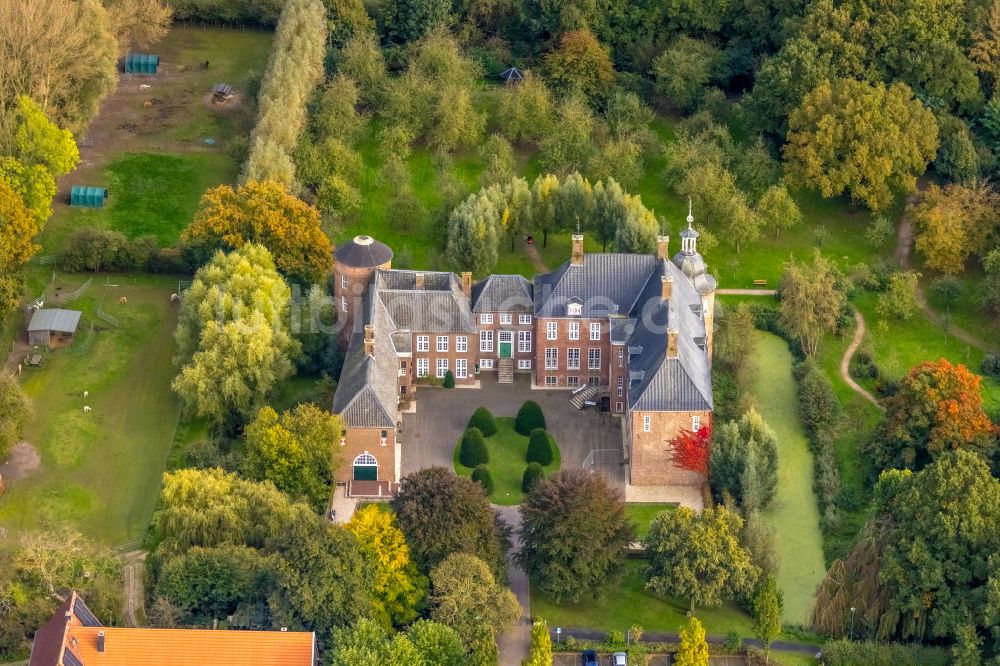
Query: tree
pixel 441 513
pixel 955 222
pixel 777 210
pixel 232 337
pixel 345 19
pixel 540 447
pixel 334 113
pixel 568 145
pixel 690 450
pixel 717 199
pixel 684 70
pixel 210 583
pixel 573 534
pixel 265 213
pixel 744 462
pixel 16 244
pixel 397 589
pixel 580 64
pixel 863 139
pixel 473 232
pixel 498 155
pixel 411 20
pixel 617 158
pixel 472 450
pixel 136 24
pixel 900 298
pixel 524 111
pixel 483 419
pixel 439 644
pixel 35 140
pixel 637 231
pixel 627 116
pixel 693 649
pixel 698 556
pixel 365 643
pixel 540 653
pixel 62 55
pixel 957 159
pixel 533 473
pixel 481 475
pixel 294 451
pixel 938 408
pixel 529 417
pixel 811 301
pixel 362 60
pixel 767 605
pixel 15 410
pixel 34 184
pixel 465 596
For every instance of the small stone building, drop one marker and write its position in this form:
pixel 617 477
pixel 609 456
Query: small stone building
pixel 53 327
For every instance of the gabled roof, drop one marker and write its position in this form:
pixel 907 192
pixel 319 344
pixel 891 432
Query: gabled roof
pixel 54 319
pixel 608 284
pixel 503 293
pixel 72 637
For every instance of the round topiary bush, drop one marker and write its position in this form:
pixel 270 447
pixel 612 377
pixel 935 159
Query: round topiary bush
pixel 473 449
pixel 540 447
pixel 533 473
pixel 482 476
pixel 483 419
pixel 529 417
pixel 449 380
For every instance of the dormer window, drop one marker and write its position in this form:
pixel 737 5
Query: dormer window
pixel 574 309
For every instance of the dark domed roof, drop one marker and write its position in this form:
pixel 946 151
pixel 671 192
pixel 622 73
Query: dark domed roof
pixel 362 252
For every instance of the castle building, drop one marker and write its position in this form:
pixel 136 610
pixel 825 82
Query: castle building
pixel 631 333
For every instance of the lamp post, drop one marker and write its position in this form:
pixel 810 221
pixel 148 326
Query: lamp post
pixel 558 634
pixel 852 622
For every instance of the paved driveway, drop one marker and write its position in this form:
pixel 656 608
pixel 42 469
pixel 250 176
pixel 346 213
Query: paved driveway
pixel 430 435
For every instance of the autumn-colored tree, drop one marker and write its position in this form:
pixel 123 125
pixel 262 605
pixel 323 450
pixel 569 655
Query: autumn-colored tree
pixel 693 649
pixel 955 222
pixel 15 410
pixel 689 450
pixel 137 24
pixel 524 111
pixel 398 588
pixel 939 407
pixel 866 140
pixel 18 228
pixel 811 301
pixel 33 138
pixel 263 212
pixel 465 596
pixel 580 63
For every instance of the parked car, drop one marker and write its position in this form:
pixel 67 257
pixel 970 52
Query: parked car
pixel 589 658
pixel 619 659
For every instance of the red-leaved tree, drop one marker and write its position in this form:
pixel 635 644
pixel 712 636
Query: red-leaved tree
pixel 689 450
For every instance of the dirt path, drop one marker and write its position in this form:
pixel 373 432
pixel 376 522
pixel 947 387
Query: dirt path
pixel 23 460
pixel 746 292
pixel 132 574
pixel 845 362
pixel 536 259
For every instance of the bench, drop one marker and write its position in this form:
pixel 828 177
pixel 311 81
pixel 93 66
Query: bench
pixel 760 283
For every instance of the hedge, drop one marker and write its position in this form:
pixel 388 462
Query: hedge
pixel 540 447
pixel 481 474
pixel 483 419
pixel 819 410
pixel 529 417
pixel 102 250
pixel 847 653
pixel 473 450
pixel 533 473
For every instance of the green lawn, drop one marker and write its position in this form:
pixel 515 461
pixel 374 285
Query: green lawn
pixel 794 514
pixel 642 515
pixel 101 471
pixel 508 449
pixel 629 603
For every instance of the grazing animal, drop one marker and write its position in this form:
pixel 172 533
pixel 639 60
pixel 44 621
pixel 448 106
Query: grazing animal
pixel 86 393
pixel 123 299
pixel 143 86
pixel 86 409
pixel 174 298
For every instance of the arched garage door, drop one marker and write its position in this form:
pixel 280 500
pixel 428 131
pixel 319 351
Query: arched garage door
pixel 365 468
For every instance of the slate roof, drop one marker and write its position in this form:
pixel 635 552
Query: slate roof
pixel 430 311
pixel 608 284
pixel 54 319
pixel 362 252
pixel 503 293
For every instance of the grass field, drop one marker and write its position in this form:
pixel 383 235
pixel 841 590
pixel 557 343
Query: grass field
pixel 642 515
pixel 508 449
pixel 100 472
pixel 794 514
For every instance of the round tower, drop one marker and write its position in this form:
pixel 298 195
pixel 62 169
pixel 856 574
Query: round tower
pixel 354 266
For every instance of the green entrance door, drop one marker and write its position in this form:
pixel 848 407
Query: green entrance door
pixel 365 468
pixel 506 346
pixel 505 349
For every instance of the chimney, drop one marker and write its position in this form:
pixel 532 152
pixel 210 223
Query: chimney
pixel 369 340
pixel 576 259
pixel 467 284
pixel 419 281
pixel 672 343
pixel 666 288
pixel 100 641
pixel 662 247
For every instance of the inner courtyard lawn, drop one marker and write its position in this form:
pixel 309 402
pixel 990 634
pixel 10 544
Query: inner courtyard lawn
pixel 507 449
pixel 794 514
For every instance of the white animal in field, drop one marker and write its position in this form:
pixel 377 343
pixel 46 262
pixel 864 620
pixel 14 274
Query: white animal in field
pixel 143 86
pixel 85 394
pixel 123 299
pixel 86 409
pixel 174 298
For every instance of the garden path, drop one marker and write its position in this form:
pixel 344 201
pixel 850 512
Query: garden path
pixel 536 259
pixel 515 643
pixel 845 362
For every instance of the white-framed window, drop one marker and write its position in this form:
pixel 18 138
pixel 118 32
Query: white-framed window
pixel 524 364
pixel 551 330
pixel 573 358
pixel 647 423
pixel 505 336
pixel 486 363
pixel 442 343
pixel 618 406
pixel 461 368
pixel 442 367
pixel 506 318
pixel 423 366
pixel 550 380
pixel 621 392
pixel 343 303
pixel 594 358
pixel 572 381
pixel 486 318
pixel 486 341
pixel 423 343
pixel 524 320
pixel 695 423
pixel 402 368
pixel 595 330
pixel 551 358
pixel 461 343
pixel 574 330
pixel 621 380
pixel 621 358
pixel 343 282
pixel 524 341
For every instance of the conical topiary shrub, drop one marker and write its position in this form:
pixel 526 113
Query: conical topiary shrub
pixel 533 473
pixel 540 447
pixel 473 448
pixel 482 476
pixel 483 419
pixel 529 417
pixel 449 380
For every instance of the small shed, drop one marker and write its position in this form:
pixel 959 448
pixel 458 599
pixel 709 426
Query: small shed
pixel 512 75
pixel 141 63
pixel 89 197
pixel 53 327
pixel 222 91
